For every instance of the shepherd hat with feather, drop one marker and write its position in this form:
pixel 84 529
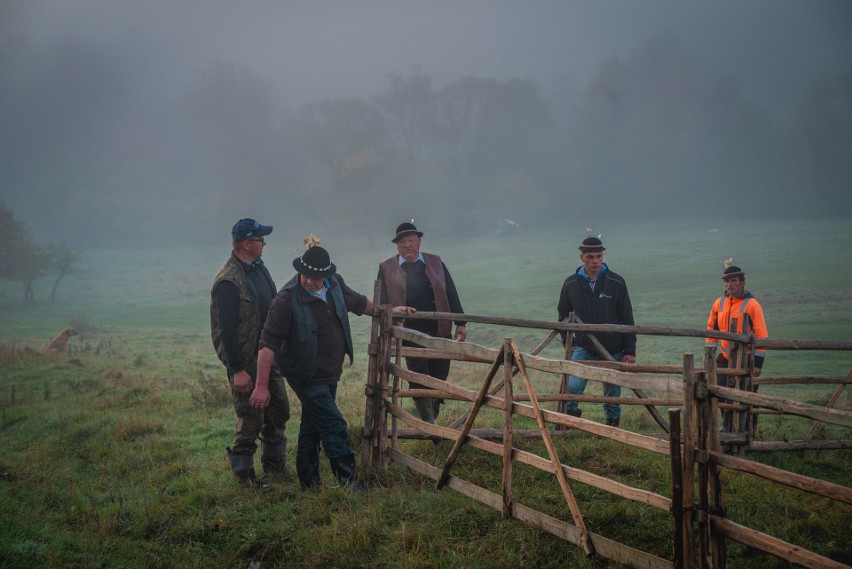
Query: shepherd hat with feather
pixel 315 262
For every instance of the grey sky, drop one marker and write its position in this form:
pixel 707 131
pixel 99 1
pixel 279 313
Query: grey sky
pixel 330 49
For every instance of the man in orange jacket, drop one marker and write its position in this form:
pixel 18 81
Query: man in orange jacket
pixel 739 305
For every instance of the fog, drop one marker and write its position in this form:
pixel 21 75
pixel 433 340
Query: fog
pixel 139 122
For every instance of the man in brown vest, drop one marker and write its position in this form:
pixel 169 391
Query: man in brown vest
pixel 421 281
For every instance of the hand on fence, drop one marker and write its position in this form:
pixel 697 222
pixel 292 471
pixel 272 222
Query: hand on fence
pixel 461 333
pixel 628 359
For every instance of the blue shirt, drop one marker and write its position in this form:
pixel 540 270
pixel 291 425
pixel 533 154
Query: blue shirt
pixel 419 258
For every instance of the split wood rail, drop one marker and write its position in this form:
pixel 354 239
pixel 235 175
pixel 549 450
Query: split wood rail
pixel 694 444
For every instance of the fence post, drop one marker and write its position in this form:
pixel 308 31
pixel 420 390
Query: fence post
pixel 715 506
pixel 371 390
pixel 689 442
pixel 677 487
pixel 703 419
pixel 508 364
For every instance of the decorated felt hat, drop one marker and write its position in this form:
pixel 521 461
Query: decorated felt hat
pixel 315 263
pixel 404 229
pixel 733 272
pixel 592 245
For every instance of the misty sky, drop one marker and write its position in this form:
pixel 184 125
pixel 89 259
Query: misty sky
pixel 310 51
pixel 330 49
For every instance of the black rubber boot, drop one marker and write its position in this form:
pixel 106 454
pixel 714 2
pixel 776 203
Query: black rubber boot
pixel 346 473
pixel 613 422
pixel 242 465
pixel 307 469
pixel 273 458
pixel 425 409
pixel 436 407
pixel 574 412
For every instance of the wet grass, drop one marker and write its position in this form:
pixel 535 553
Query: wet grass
pixel 114 455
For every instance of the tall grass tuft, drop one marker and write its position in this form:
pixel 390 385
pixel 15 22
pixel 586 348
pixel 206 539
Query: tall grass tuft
pixel 210 391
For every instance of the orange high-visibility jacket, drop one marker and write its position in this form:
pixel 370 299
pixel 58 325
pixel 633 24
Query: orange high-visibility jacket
pixel 726 308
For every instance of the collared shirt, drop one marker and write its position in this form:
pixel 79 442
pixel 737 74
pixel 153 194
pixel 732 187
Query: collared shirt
pixel 419 258
pixel 320 294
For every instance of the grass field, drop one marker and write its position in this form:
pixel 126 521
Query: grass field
pixel 114 456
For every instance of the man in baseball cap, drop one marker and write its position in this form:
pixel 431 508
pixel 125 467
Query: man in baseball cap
pixel 240 299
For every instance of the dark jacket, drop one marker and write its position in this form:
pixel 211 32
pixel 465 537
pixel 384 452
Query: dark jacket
pixel 235 335
pixel 310 337
pixel 427 288
pixel 609 303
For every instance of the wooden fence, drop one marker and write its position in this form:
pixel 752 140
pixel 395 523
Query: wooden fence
pixel 696 450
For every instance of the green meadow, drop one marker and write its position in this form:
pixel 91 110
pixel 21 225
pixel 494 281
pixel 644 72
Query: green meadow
pixel 114 455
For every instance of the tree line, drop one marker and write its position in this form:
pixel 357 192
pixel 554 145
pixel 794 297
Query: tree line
pixel 656 133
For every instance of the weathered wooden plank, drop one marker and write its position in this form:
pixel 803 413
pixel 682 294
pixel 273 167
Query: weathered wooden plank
pixel 806 483
pixel 576 327
pixel 644 381
pixel 770 446
pixel 773 545
pixel 806 379
pixel 549 397
pixel 531 459
pixel 833 416
pixel 634 439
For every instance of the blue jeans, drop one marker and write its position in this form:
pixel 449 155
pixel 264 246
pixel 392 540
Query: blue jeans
pixel 321 422
pixel 577 385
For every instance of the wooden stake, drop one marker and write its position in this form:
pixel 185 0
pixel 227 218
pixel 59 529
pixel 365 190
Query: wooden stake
pixel 508 423
pixel 677 486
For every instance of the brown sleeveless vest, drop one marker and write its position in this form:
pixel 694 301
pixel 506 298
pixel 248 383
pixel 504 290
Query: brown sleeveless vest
pixel 394 277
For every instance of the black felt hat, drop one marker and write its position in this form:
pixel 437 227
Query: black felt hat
pixel 592 245
pixel 732 272
pixel 404 229
pixel 315 263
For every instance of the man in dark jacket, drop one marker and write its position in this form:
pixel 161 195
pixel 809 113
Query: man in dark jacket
pixel 307 334
pixel 597 296
pixel 239 301
pixel 420 281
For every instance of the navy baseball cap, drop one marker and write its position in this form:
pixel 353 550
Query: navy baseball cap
pixel 247 227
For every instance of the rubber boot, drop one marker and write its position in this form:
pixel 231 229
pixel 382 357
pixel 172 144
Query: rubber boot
pixel 425 409
pixel 347 473
pixel 436 407
pixel 613 422
pixel 574 412
pixel 242 465
pixel 307 469
pixel 273 458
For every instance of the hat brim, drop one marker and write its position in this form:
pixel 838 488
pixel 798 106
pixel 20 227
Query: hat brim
pixel 592 249
pixel 311 272
pixel 402 234
pixel 739 275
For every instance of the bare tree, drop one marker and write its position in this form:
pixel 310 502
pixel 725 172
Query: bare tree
pixel 62 258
